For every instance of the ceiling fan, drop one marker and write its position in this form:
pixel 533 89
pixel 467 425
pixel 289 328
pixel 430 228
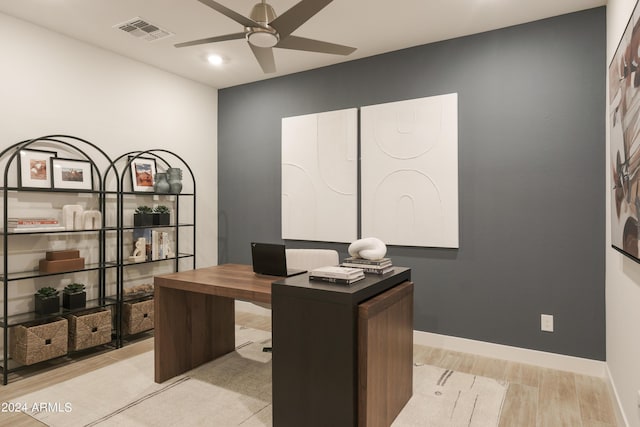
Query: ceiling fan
pixel 264 30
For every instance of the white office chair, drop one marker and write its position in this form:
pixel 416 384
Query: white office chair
pixel 307 259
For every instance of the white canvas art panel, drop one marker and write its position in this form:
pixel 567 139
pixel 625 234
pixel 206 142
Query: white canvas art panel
pixel 410 171
pixel 319 176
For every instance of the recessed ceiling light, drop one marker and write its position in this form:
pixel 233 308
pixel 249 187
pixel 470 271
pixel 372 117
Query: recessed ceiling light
pixel 215 59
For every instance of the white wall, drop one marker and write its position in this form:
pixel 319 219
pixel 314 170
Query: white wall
pixel 52 84
pixel 622 274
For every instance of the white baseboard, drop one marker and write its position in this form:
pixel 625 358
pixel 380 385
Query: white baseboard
pixel 620 416
pixel 578 365
pixel 561 362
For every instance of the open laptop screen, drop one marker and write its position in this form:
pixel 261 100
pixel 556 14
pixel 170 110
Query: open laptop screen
pixel 271 259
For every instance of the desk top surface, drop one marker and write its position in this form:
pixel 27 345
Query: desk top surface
pixel 352 294
pixel 236 281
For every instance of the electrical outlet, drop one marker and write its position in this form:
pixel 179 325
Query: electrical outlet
pixel 546 322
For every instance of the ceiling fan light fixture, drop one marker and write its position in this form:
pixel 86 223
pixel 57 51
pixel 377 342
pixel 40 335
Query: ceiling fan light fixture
pixel 262 37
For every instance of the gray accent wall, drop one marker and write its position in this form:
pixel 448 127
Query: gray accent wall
pixel 531 120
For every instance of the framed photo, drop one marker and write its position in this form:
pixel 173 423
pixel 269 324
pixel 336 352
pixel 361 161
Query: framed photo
pixel 34 168
pixel 142 172
pixel 71 174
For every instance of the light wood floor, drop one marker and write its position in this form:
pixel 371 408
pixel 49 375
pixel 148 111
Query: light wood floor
pixel 537 397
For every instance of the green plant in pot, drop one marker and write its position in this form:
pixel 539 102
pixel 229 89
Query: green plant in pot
pixel 47 300
pixel 74 296
pixel 161 215
pixel 143 216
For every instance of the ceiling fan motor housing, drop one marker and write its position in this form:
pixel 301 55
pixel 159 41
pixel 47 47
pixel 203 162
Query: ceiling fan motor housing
pixel 263 13
pixel 264 36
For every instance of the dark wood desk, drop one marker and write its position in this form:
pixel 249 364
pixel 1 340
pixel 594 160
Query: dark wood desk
pixel 338 351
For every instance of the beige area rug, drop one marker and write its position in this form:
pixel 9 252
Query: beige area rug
pixel 445 398
pixel 235 390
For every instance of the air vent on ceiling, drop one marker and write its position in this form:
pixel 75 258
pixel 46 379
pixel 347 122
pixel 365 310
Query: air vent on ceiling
pixel 142 29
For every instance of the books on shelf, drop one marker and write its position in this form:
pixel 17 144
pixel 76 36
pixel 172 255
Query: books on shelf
pixel 30 222
pixel 378 266
pixel 30 225
pixel 146 234
pixel 337 274
pixel 157 243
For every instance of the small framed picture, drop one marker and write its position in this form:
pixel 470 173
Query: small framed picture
pixel 142 172
pixel 34 168
pixel 71 174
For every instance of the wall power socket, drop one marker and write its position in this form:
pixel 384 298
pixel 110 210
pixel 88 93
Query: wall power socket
pixel 546 322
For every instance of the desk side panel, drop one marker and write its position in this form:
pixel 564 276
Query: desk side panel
pixel 314 361
pixel 385 356
pixel 191 329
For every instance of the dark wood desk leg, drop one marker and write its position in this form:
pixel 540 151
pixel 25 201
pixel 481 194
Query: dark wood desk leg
pixel 190 329
pixel 385 354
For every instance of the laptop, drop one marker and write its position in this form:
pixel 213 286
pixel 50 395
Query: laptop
pixel 271 259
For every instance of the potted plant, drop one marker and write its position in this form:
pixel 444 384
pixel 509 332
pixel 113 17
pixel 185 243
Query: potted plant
pixel 47 300
pixel 161 215
pixel 143 216
pixel 74 296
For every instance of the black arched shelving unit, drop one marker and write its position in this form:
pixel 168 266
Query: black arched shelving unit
pixel 82 165
pixel 106 186
pixel 181 228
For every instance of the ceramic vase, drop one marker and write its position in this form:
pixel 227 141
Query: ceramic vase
pixel 161 185
pixel 175 180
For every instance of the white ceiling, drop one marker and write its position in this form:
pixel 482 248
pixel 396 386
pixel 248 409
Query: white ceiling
pixel 372 26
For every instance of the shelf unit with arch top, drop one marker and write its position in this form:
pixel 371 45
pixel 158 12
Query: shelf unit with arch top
pixel 47 184
pixel 89 178
pixel 169 247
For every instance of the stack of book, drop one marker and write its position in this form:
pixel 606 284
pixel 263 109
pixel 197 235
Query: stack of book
pixel 375 266
pixel 157 243
pixel 30 225
pixel 334 274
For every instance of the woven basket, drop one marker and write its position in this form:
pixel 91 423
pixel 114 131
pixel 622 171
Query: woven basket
pixel 137 317
pixel 89 328
pixel 37 341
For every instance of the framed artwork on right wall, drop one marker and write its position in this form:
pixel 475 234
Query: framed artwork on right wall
pixel 624 119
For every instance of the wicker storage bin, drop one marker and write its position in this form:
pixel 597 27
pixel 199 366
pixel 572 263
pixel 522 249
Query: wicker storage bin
pixel 137 316
pixel 89 328
pixel 37 341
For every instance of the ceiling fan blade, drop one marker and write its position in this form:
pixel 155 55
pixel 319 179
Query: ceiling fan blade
pixel 287 23
pixel 264 55
pixel 234 36
pixel 230 13
pixel 310 45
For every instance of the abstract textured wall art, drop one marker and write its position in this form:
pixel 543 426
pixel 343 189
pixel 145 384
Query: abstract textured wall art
pixel 319 176
pixel 410 171
pixel 624 107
